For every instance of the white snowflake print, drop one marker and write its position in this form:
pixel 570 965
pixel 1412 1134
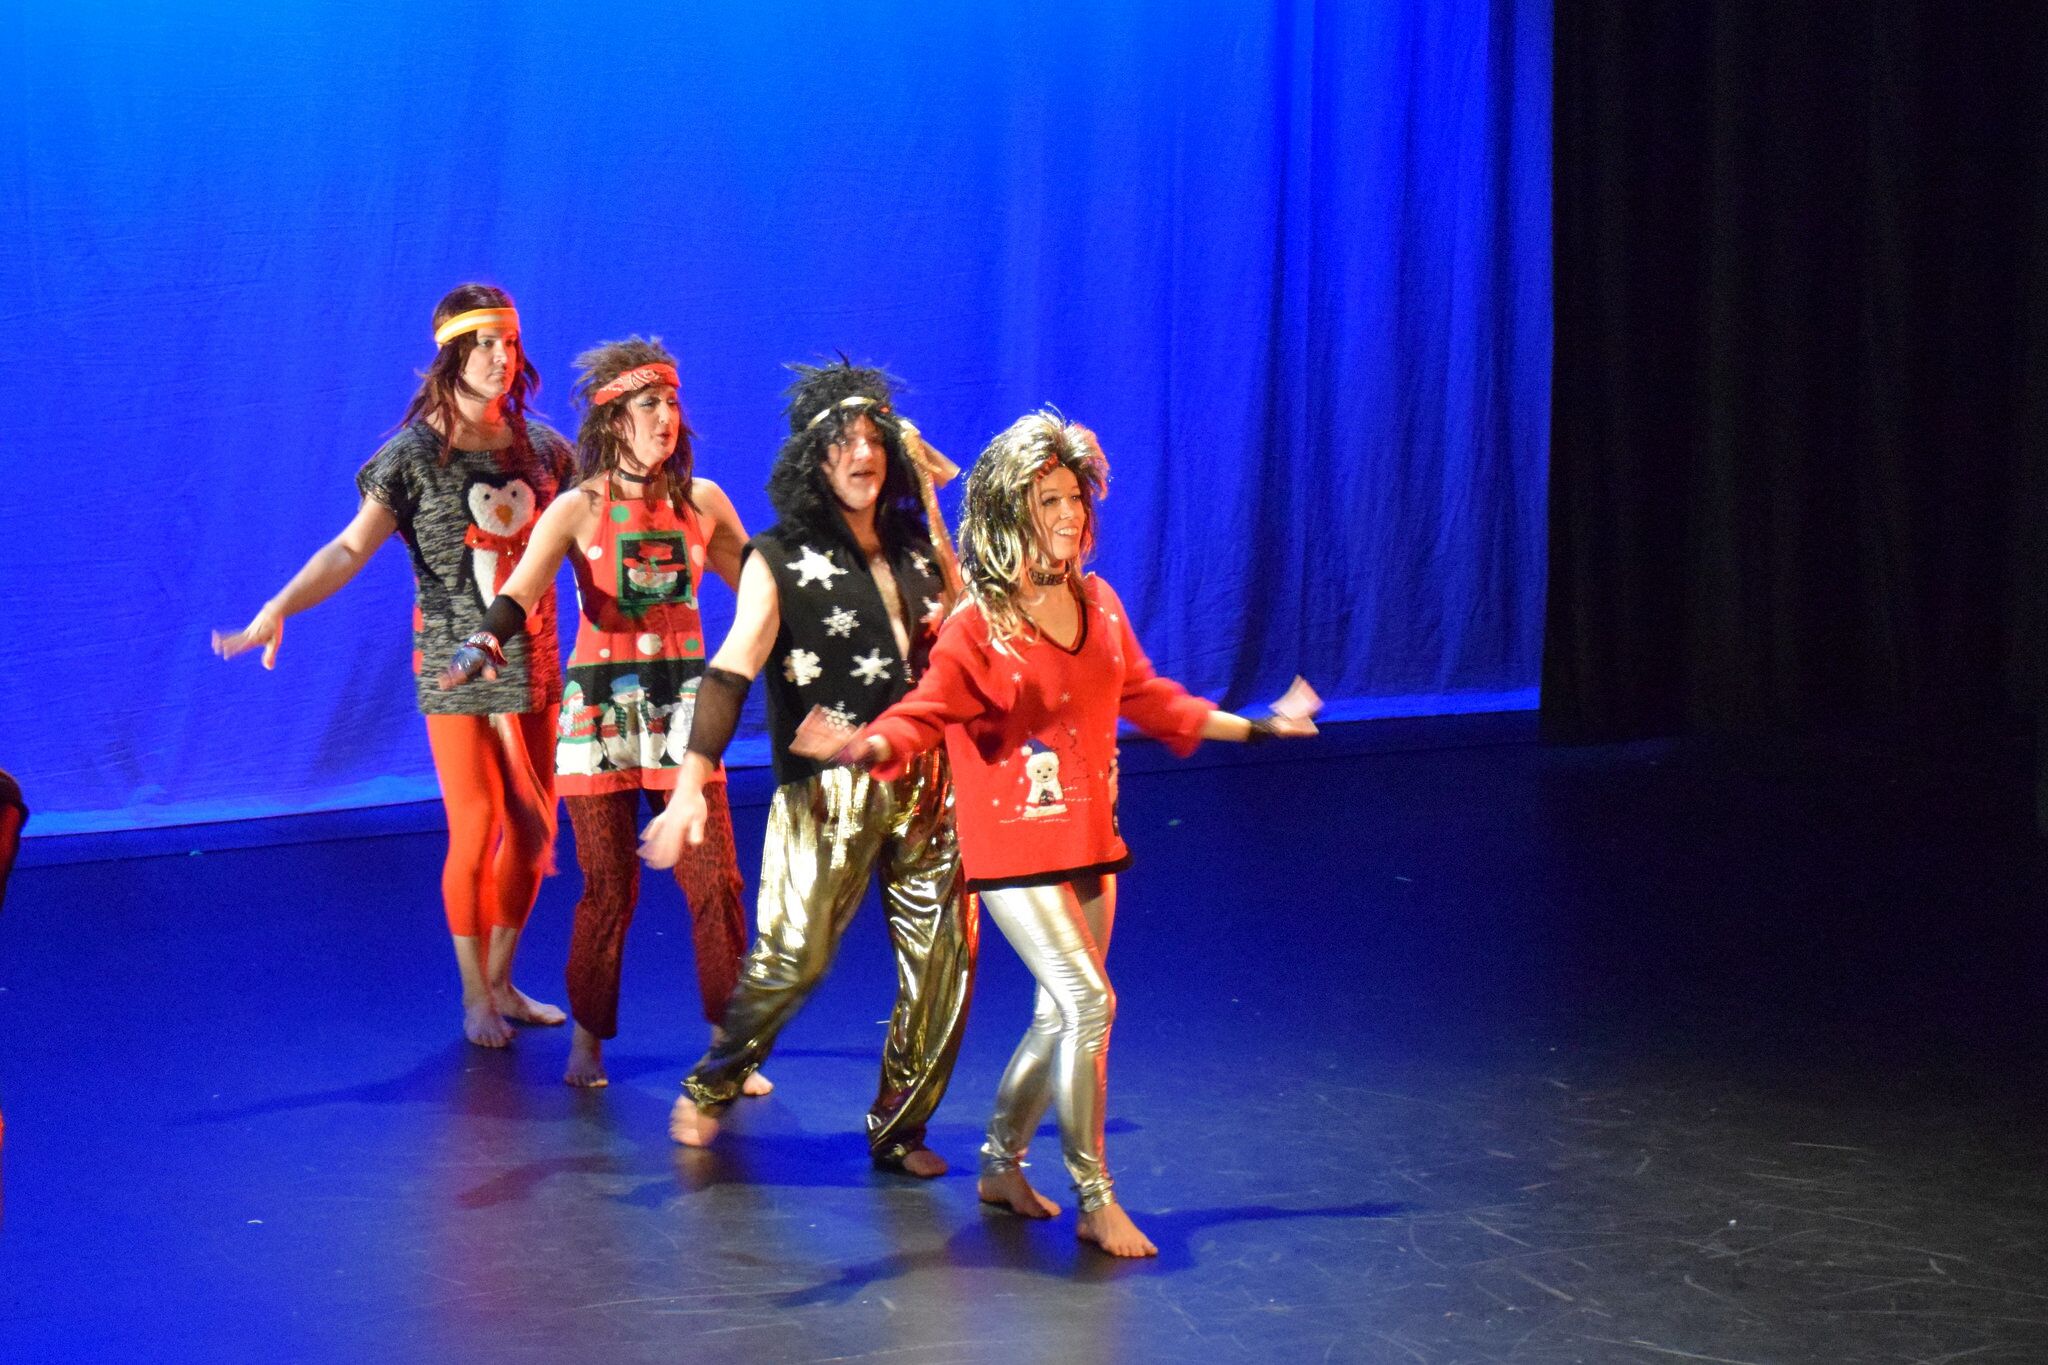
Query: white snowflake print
pixel 841 717
pixel 921 564
pixel 801 667
pixel 932 611
pixel 871 667
pixel 841 622
pixel 812 567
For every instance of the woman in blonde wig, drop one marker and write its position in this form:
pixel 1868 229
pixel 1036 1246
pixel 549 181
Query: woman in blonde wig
pixel 1025 688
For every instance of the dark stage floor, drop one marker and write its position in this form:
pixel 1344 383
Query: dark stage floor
pixel 1660 1053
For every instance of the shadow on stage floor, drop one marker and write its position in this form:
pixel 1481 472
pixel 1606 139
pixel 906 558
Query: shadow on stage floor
pixel 1434 1045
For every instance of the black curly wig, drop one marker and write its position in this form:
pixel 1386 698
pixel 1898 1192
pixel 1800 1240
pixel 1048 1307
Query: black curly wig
pixel 797 489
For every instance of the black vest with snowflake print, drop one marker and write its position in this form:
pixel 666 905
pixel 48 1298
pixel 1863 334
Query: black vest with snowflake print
pixel 835 648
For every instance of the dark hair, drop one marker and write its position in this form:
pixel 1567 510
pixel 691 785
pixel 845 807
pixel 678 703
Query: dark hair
pixel 600 443
pixel 434 402
pixel 797 490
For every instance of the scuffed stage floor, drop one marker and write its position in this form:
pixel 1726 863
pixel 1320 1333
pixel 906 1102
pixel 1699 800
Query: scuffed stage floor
pixel 1431 1048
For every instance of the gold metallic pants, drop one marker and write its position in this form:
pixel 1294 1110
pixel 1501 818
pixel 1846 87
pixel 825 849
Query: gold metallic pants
pixel 1062 933
pixel 827 835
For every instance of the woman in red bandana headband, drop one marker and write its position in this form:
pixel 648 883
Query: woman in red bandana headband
pixel 639 531
pixel 462 482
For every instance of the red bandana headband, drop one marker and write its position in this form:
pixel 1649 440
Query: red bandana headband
pixel 639 377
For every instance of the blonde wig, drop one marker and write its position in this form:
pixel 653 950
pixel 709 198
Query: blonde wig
pixel 998 534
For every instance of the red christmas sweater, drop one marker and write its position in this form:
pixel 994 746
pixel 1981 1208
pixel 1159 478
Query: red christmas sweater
pixel 1031 734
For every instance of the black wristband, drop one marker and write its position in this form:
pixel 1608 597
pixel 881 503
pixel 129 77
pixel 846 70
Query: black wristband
pixel 505 619
pixel 1261 731
pixel 719 699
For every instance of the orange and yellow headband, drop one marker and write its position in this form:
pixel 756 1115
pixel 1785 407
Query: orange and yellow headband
pixel 639 377
pixel 505 319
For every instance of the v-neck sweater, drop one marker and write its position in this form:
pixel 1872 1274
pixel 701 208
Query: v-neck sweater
pixel 1030 729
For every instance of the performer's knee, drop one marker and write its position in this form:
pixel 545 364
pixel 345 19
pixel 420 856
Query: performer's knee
pixel 1095 1012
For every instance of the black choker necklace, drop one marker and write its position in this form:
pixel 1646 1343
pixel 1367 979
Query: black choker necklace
pixel 1047 580
pixel 624 477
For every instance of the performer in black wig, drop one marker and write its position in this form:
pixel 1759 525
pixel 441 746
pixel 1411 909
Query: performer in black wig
pixel 840 601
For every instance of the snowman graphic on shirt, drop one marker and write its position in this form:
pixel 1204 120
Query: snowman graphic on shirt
pixel 576 747
pixel 626 721
pixel 680 717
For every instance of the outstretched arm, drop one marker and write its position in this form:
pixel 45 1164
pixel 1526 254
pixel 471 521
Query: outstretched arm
pixel 756 619
pixel 951 692
pixel 567 518
pixel 1224 725
pixel 331 566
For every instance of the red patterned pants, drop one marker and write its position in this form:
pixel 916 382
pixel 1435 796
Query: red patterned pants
pixel 607 838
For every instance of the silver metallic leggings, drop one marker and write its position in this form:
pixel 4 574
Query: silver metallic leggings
pixel 1062 933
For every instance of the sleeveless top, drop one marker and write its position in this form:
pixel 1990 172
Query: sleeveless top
pixel 834 647
pixel 639 656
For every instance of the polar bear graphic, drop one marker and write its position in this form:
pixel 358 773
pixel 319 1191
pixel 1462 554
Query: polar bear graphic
pixel 1046 797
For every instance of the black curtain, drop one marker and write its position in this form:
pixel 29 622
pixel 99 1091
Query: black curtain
pixel 1797 394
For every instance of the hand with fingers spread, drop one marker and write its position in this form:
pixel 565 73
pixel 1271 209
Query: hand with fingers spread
pixel 266 628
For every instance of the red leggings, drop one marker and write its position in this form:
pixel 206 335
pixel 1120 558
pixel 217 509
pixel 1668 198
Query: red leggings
pixel 606 849
pixel 501 817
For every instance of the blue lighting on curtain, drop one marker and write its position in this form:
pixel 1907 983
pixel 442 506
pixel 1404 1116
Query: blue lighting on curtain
pixel 1290 261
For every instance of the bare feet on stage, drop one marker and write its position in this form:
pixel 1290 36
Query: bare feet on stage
pixel 483 1025
pixel 924 1163
pixel 756 1084
pixel 1012 1191
pixel 690 1125
pixel 522 1008
pixel 1110 1228
pixel 586 1060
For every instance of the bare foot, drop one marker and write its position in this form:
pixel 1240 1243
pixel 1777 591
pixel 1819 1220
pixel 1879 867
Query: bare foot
pixel 522 1008
pixel 1012 1191
pixel 586 1060
pixel 1110 1228
pixel 484 1026
pixel 756 1084
pixel 924 1163
pixel 690 1125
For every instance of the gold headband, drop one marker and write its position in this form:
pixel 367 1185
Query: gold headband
pixel 472 320
pixel 858 400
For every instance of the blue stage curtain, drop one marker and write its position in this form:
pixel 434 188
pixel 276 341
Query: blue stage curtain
pixel 1291 261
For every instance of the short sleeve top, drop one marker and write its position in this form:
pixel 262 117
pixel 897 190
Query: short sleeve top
pixel 465 523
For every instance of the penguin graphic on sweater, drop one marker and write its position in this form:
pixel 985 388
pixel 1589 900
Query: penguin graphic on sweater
pixel 501 517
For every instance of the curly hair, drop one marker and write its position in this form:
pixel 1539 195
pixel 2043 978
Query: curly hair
pixel 997 530
pixel 822 403
pixel 602 440
pixel 434 401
